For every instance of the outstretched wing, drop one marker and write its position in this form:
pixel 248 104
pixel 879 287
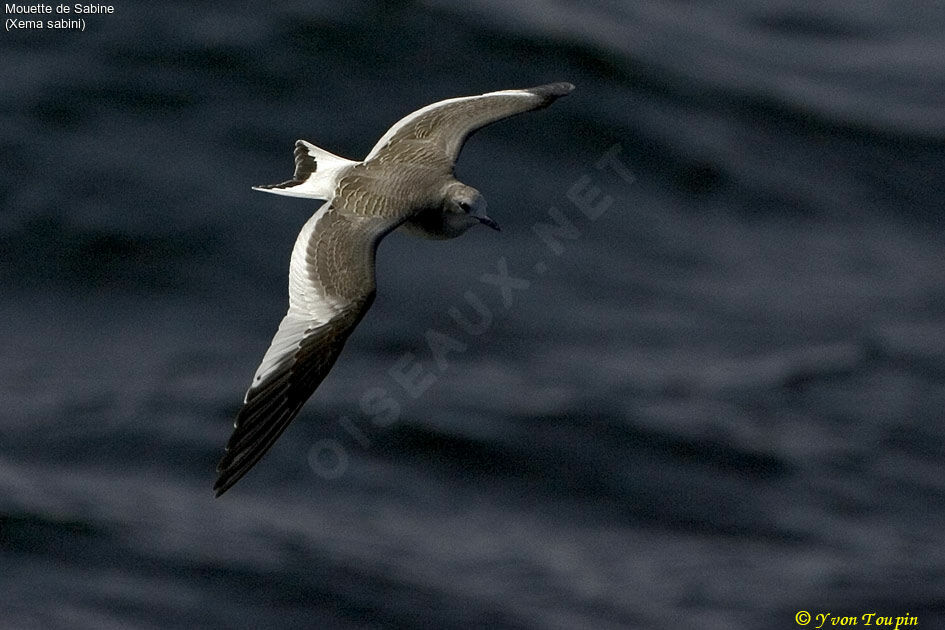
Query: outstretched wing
pixel 438 131
pixel 331 286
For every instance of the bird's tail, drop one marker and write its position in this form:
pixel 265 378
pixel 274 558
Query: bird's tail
pixel 316 171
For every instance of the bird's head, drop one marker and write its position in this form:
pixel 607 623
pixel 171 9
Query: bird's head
pixel 465 207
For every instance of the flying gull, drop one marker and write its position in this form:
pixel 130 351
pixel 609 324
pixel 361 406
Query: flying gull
pixel 405 182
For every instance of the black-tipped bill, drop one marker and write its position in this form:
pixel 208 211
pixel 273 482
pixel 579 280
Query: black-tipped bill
pixel 487 221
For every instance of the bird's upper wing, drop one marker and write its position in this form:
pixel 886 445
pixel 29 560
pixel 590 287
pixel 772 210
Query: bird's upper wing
pixel 331 286
pixel 438 131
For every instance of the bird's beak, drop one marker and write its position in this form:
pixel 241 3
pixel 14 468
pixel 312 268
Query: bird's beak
pixel 489 222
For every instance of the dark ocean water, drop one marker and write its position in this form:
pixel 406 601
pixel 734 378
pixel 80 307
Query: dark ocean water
pixel 716 405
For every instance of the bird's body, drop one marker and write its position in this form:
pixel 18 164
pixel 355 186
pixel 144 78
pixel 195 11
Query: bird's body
pixel 406 182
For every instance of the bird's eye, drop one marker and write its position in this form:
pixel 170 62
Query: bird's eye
pixel 464 206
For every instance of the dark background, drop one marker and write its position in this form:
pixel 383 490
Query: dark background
pixel 720 404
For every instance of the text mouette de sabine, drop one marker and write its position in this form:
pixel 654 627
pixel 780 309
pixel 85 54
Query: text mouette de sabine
pixel 34 17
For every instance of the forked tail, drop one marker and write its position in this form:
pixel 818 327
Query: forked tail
pixel 316 172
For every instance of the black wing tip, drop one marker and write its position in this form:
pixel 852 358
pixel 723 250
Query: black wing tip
pixel 552 90
pixel 227 477
pixel 224 481
pixel 219 488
